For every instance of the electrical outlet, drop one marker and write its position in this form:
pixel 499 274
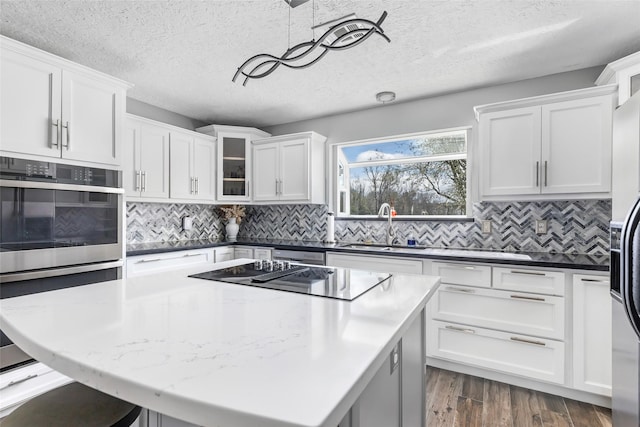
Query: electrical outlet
pixel 187 223
pixel 541 226
pixel 486 226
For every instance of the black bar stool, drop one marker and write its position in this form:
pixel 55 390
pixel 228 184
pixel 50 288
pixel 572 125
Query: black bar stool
pixel 73 405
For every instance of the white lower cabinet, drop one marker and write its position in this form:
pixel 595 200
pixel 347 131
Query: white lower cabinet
pixel 252 252
pixel 592 334
pixel 462 274
pixel 154 263
pixel 518 312
pixel 522 355
pixel 21 384
pixel 225 253
pixel 375 263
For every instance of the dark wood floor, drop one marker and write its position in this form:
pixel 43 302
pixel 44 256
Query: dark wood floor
pixel 455 399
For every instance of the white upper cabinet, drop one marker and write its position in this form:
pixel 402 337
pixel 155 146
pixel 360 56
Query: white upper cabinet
pixel 146 160
pixel 576 146
pixel 549 146
pixel 234 173
pixel 509 165
pixel 192 166
pixel 625 72
pixel 54 108
pixel 289 168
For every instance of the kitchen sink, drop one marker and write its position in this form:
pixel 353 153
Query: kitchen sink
pixel 452 252
pixel 380 248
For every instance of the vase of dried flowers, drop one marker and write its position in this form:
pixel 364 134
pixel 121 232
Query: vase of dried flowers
pixel 231 230
pixel 233 214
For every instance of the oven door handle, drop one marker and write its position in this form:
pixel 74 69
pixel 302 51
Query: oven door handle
pixel 64 271
pixel 58 186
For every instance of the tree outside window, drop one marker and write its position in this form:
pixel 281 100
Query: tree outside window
pixel 421 175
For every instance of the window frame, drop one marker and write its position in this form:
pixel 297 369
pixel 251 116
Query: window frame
pixel 334 191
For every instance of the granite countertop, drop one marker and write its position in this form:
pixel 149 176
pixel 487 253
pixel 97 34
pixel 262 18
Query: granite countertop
pixel 534 259
pixel 214 353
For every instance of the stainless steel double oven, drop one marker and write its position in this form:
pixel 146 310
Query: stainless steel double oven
pixel 62 226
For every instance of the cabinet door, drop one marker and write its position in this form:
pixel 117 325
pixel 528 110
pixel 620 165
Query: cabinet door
pixel 204 168
pixel 592 338
pixel 131 179
pixel 576 146
pixel 294 170
pixel 91 114
pixel 265 172
pixel 234 167
pixel 181 175
pixel 154 161
pixel 240 252
pixel 510 152
pixel 29 105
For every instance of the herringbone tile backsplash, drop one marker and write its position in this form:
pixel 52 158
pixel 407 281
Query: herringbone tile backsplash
pixel 573 226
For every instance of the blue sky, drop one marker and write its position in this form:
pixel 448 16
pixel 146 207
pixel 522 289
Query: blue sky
pixel 392 149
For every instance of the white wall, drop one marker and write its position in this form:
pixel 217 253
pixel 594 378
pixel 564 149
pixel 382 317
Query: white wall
pixel 439 112
pixel 152 112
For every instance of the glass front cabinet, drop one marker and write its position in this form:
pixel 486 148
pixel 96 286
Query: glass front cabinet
pixel 234 164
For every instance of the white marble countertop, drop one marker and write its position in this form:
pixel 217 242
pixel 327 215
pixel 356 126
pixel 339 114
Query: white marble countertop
pixel 218 354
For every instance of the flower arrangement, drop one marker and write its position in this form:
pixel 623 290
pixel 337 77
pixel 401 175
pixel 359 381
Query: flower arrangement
pixel 234 211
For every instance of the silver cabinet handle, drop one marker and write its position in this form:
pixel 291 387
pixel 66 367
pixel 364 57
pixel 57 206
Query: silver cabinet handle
pixel 21 380
pixel 530 273
pixel 467 291
pixel 527 298
pixel 248 188
pixel 594 280
pixel 537 174
pixel 145 261
pixel 545 173
pixel 138 181
pixel 191 187
pixel 57 126
pixel 465 330
pixel 526 341
pixel 68 128
pixel 197 185
pixel 144 181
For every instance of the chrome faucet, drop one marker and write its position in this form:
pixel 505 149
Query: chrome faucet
pixel 391 234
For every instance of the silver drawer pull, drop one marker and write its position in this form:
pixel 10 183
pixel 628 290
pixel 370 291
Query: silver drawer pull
pixel 594 280
pixel 468 291
pixel 142 261
pixel 21 380
pixel 465 330
pixel 527 298
pixel 469 268
pixel 528 341
pixel 530 273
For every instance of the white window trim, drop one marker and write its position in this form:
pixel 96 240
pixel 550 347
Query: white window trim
pixel 332 151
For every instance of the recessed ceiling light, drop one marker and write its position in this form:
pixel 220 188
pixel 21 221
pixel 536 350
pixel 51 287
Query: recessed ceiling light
pixel 385 97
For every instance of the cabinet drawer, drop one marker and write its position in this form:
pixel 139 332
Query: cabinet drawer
pixel 154 263
pixel 524 280
pixel 375 263
pixel 243 253
pixel 522 355
pixel 463 274
pixel 262 253
pixel 517 312
pixel 27 382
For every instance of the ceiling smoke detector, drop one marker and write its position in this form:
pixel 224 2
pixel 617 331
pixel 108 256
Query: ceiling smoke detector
pixel 385 97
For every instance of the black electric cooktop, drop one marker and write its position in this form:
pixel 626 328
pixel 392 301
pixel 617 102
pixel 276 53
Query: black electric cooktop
pixel 330 282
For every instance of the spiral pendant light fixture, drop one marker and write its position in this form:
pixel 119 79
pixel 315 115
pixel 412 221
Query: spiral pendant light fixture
pixel 343 35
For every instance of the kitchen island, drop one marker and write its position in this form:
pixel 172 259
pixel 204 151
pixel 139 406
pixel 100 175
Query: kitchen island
pixel 219 354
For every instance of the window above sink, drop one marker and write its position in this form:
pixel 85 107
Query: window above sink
pixel 421 175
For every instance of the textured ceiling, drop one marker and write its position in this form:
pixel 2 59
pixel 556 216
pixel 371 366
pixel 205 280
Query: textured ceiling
pixel 181 55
